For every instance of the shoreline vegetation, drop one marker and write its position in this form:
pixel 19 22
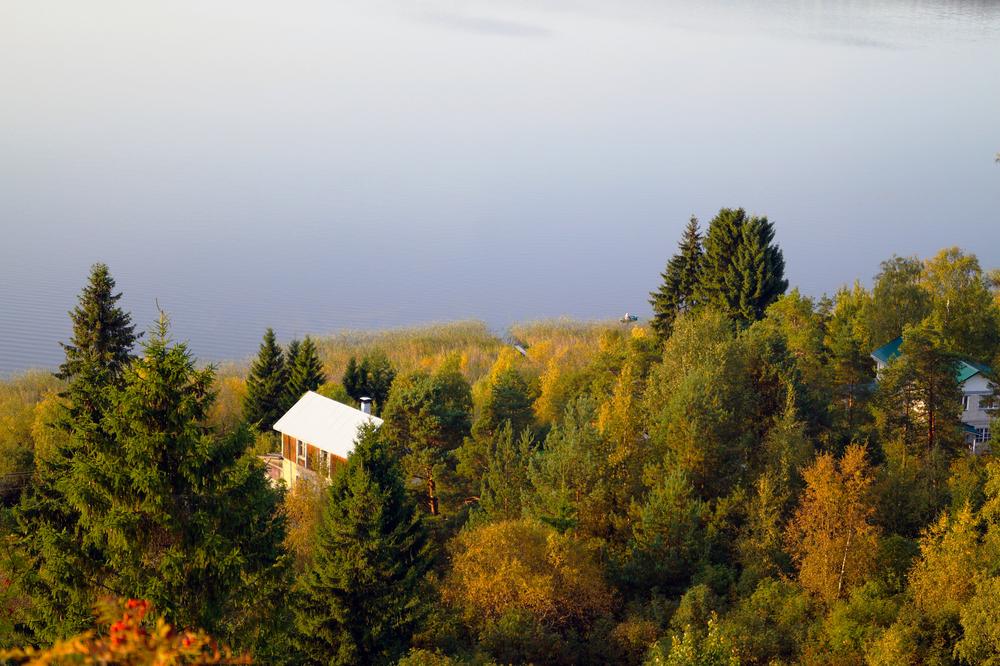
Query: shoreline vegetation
pixel 727 483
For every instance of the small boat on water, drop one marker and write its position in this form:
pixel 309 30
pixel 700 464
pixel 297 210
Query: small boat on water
pixel 629 318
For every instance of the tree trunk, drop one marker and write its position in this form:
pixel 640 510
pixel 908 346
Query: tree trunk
pixel 432 500
pixel 843 565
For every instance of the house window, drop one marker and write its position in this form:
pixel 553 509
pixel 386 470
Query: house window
pixel 982 435
pixel 324 462
pixel 300 452
pixel 987 403
pixel 965 403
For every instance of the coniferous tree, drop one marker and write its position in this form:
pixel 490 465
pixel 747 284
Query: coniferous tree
pixel 96 357
pixel 743 270
pixel 508 401
pixel 265 384
pixel 371 378
pixel 426 419
pixel 305 371
pixel 361 597
pixel 681 282
pixel 178 515
pixel 505 482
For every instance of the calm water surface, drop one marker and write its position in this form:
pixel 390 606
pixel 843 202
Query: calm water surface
pixel 314 166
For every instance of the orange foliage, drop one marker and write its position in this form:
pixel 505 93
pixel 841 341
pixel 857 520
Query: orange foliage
pixel 132 639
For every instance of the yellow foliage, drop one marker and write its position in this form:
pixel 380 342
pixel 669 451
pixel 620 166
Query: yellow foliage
pixel 526 566
pixel 831 537
pixel 943 579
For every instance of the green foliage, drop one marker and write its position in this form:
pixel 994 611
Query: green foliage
pixel 164 510
pixel 426 418
pixel 265 396
pixel 363 593
pixel 700 404
pixel 571 482
pixel 743 270
pixel 371 378
pixel 708 647
pixel 963 310
pixel 681 282
pixel 505 482
pixel 668 541
pixel 918 402
pixel 305 371
pixel 509 401
pixel 771 624
pixel 897 300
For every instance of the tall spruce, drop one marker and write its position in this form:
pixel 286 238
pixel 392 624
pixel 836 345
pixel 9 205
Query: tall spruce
pixel 743 270
pixel 681 282
pixel 361 597
pixel 371 378
pixel 59 563
pixel 305 371
pixel 172 512
pixel 263 402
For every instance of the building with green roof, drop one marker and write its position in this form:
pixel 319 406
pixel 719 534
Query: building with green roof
pixel 977 393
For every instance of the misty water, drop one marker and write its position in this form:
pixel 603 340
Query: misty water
pixel 315 166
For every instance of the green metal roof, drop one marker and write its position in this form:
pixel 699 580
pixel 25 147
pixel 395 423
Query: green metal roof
pixel 965 370
pixel 888 351
pixel 969 369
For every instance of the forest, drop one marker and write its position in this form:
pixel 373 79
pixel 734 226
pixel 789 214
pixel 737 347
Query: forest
pixel 729 482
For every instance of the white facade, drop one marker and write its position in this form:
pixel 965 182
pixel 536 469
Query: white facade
pixel 316 434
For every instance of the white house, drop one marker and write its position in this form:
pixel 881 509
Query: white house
pixel 317 434
pixel 977 393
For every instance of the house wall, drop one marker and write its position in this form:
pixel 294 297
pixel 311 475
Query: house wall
pixel 291 471
pixel 978 391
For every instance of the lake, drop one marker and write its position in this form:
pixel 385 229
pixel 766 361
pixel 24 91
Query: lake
pixel 315 166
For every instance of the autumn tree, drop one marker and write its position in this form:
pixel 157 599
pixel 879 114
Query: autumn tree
pixel 963 311
pixel 681 282
pixel 361 596
pixel 263 402
pixel 525 574
pixel 831 537
pixel 898 300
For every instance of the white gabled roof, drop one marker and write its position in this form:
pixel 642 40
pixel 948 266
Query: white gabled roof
pixel 330 425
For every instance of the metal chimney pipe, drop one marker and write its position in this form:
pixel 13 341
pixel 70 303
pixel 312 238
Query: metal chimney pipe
pixel 366 405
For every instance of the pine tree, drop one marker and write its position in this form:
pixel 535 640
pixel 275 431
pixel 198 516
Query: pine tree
pixel 505 483
pixel 305 371
pixel 265 384
pixel 360 598
pixel 426 419
pixel 743 270
pixel 96 357
pixel 681 280
pixel 509 401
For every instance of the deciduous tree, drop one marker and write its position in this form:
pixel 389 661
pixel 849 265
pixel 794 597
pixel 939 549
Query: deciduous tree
pixel 831 537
